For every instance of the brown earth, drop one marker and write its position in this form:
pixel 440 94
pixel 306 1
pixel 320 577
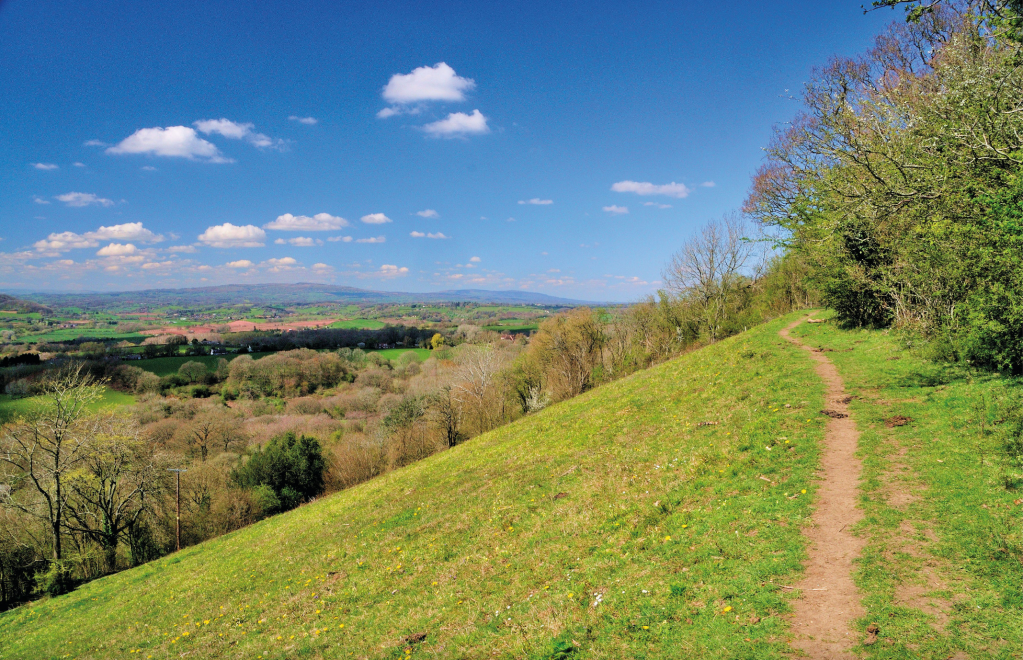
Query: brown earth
pixel 239 326
pixel 829 602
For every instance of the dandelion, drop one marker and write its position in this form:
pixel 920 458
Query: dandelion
pixel 728 608
pixel 803 491
pixel 646 627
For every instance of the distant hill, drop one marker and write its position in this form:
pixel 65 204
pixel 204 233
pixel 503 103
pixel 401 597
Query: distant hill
pixel 12 304
pixel 283 294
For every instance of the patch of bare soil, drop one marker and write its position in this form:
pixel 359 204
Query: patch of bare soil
pixel 829 601
pixel 897 420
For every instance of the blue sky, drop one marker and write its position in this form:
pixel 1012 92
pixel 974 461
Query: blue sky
pixel 566 148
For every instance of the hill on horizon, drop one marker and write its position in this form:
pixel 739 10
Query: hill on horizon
pixel 286 294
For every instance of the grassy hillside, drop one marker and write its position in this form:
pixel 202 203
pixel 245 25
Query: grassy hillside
pixel 11 407
pixel 656 517
pixel 942 573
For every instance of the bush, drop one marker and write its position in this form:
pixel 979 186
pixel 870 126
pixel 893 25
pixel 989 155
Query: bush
pixel 290 465
pixel 56 580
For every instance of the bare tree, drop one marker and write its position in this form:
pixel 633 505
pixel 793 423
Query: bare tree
pixel 42 449
pixel 210 430
pixel 711 270
pixel 478 368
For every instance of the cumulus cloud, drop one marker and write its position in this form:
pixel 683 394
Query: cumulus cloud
pixel 78 164
pixel 321 268
pixel 656 205
pixel 279 265
pixel 241 263
pixel 375 219
pixel 458 124
pixel 618 210
pixel 318 222
pixel 45 166
pixel 427 83
pixel 376 239
pixel 537 201
pixel 237 131
pixel 78 199
pixel 117 250
pixel 308 121
pixel 475 260
pixel 63 241
pixel 340 239
pixel 129 231
pixel 228 235
pixel 392 270
pixel 708 184
pixel 419 234
pixel 95 143
pixel 300 241
pixel 39 200
pixel 428 213
pixel 416 234
pixel 173 141
pixel 646 188
pixel 188 249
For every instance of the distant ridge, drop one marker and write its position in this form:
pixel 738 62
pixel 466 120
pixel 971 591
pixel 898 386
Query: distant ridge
pixel 12 304
pixel 282 294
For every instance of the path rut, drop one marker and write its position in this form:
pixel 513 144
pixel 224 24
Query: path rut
pixel 829 602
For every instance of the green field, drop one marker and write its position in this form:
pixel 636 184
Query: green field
pixel 70 334
pixel 512 329
pixel 395 353
pixel 165 366
pixel 11 408
pixel 357 324
pixel 655 517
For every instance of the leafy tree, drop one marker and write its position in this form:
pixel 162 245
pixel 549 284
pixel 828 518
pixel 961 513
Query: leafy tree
pixel 437 341
pixel 291 465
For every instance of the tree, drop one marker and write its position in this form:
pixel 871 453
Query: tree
pixel 478 368
pixel 211 430
pixel 44 448
pixel 293 466
pixel 437 341
pixel 447 416
pixel 194 372
pixel 114 486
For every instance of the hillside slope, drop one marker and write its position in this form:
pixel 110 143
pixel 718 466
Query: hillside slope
pixel 658 516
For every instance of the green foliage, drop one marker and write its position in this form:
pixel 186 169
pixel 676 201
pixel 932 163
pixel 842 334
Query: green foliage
pixel 56 580
pixel 292 466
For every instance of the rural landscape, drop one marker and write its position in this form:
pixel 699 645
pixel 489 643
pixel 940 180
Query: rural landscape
pixel 795 432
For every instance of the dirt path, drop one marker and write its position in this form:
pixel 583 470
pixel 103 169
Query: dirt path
pixel 829 604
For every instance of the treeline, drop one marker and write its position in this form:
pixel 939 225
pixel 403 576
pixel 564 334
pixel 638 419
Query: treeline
pixel 901 183
pixel 330 338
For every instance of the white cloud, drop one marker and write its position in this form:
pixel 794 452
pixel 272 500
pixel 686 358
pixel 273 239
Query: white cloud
pixel 233 236
pixel 308 121
pixel 375 219
pixel 129 231
pixel 437 235
pixel 63 241
pixel 321 268
pixel 392 270
pixel 78 164
pixel 153 265
pixel 537 201
pixel 318 222
pixel 237 131
pixel 45 166
pixel 148 168
pixel 188 249
pixel 39 200
pixel 458 124
pixel 616 209
pixel 279 265
pixel 173 141
pixel 475 260
pixel 419 234
pixel 300 241
pixel 646 188
pixel 377 239
pixel 655 204
pixel 428 213
pixel 708 184
pixel 426 83
pixel 340 239
pixel 95 143
pixel 241 263
pixel 83 199
pixel 117 250
pixel 416 234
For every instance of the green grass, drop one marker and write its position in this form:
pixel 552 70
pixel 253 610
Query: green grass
pixel 69 334
pixel 512 329
pixel 357 324
pixel 942 572
pixel 496 547
pixel 11 408
pixel 395 353
pixel 165 366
